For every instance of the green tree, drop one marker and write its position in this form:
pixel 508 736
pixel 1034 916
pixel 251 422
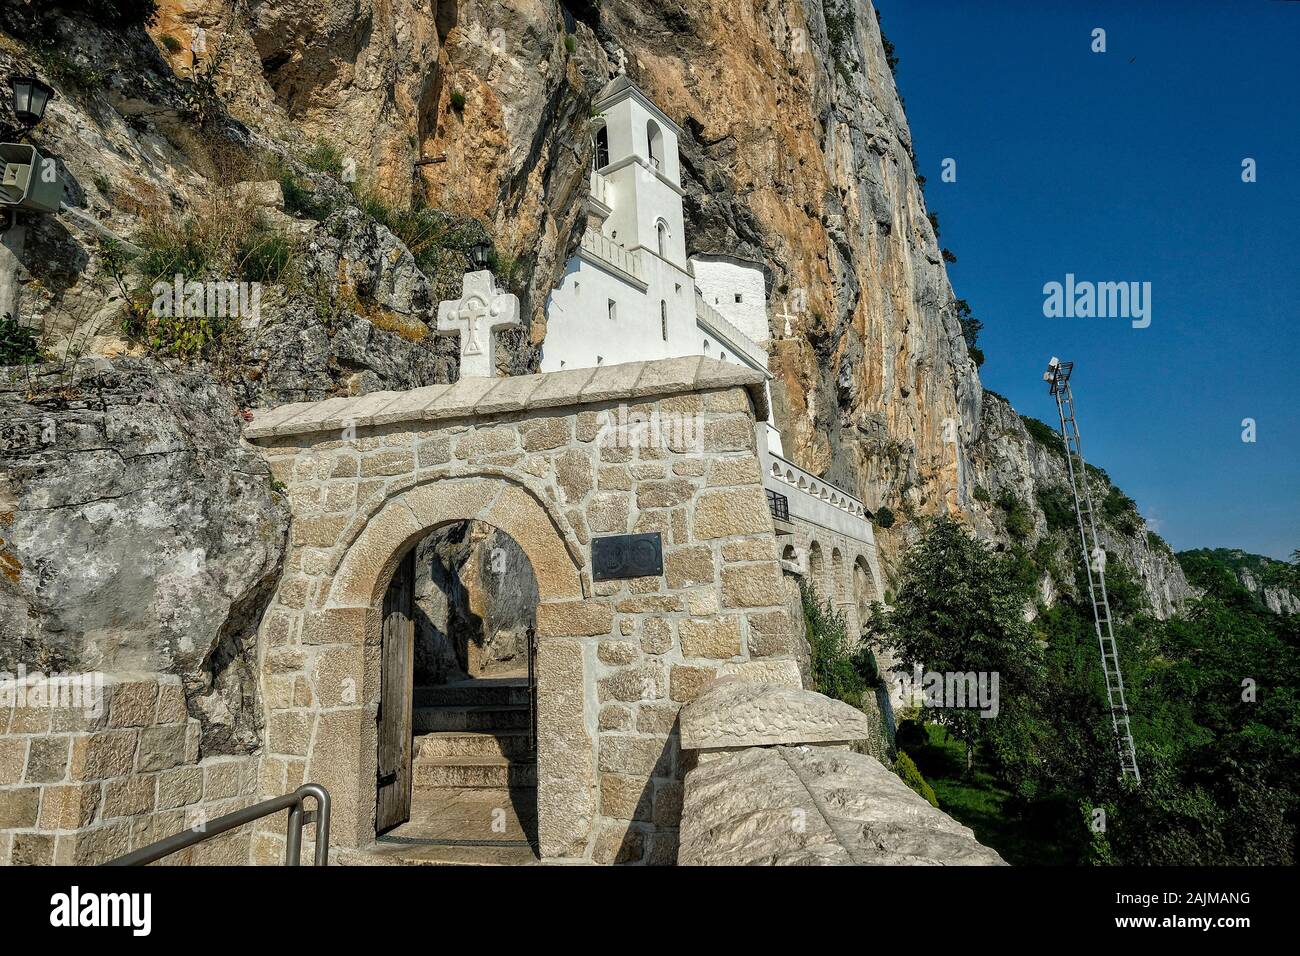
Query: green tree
pixel 958 609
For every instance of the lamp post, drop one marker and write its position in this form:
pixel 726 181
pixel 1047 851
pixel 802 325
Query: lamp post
pixel 480 255
pixel 30 97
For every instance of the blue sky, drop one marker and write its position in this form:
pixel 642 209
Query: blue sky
pixel 1127 166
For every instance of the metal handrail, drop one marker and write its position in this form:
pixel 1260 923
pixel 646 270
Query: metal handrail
pixel 298 819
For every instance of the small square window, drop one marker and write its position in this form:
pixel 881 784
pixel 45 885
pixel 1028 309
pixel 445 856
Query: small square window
pixel 738 297
pixel 613 309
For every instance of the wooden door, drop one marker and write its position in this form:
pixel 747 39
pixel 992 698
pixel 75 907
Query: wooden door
pixel 396 698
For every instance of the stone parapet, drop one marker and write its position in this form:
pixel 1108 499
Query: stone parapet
pixel 87 778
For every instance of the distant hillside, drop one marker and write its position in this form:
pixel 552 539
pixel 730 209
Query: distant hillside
pixel 1274 584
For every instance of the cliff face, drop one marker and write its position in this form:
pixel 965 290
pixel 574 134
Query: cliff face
pixel 331 120
pixel 1024 504
pixel 797 154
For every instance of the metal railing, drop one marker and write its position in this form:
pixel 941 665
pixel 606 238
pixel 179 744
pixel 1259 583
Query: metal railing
pixel 778 504
pixel 299 817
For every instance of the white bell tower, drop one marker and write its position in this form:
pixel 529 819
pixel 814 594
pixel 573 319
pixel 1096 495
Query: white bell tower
pixel 636 153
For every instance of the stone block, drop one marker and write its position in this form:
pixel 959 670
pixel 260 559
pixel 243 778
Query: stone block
pixel 664 494
pixel 133 703
pixel 731 513
pixel 750 549
pixel 743 470
pixel 618 653
pixel 607 512
pixel 734 433
pixel 764 672
pixel 633 684
pixel 20 807
pixel 643 756
pixel 770 633
pixel 162 747
pixel 574 619
pixel 618 844
pixel 104 754
pixel 717 637
pixel 752 585
pixel 656 636
pixel 574 475
pixel 687 567
pixel 685 681
pixel 485 441
pixel 658 719
pixel 180 787
pixel 615 717
pixel 626 798
pixel 732 712
pixel 32 849
pixel 667 803
pixel 67 807
pixel 542 434
pixel 13 758
pixel 171 703
pixel 289 733
pixel 128 796
pixel 47 760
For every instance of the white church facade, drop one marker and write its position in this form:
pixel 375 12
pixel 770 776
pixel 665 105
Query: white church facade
pixel 630 294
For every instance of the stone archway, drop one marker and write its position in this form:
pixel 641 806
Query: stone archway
pixel 542 459
pixel 565 757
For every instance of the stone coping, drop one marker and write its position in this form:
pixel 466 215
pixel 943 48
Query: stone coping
pixel 471 397
pixel 732 713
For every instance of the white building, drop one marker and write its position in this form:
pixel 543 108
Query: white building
pixel 630 294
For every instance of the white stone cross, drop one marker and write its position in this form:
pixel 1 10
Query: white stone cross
pixel 481 310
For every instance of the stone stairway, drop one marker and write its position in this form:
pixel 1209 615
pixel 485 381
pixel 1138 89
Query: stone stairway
pixel 474 797
pixel 473 734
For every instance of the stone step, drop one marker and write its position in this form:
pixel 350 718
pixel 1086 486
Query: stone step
pixel 474 693
pixel 471 773
pixel 510 743
pixel 508 717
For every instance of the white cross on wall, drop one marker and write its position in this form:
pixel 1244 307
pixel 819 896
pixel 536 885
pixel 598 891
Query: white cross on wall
pixel 481 310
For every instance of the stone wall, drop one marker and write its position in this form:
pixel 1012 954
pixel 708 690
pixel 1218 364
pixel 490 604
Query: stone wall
pixel 775 783
pixel 544 459
pixel 87 783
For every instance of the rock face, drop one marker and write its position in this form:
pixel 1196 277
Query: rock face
pixel 813 806
pixel 137 534
pixel 475 598
pixel 733 712
pixel 1025 503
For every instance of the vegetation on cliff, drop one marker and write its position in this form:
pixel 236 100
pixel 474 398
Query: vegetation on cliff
pixel 1215 709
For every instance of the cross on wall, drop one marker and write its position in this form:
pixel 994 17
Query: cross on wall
pixel 481 310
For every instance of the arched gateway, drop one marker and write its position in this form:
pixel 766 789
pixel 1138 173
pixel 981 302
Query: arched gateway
pixel 555 461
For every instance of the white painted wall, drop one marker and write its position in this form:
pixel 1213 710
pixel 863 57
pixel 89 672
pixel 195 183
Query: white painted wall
pixel 721 279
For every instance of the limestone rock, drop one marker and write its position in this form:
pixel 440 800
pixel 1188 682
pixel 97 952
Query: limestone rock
pixel 137 534
pixel 812 806
pixel 733 712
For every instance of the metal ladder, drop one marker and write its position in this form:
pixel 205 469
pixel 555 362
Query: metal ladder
pixel 1094 562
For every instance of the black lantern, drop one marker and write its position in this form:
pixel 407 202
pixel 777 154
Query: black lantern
pixel 480 254
pixel 31 96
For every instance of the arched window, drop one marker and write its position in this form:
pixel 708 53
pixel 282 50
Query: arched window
pixel 655 137
pixel 601 157
pixel 663 319
pixel 661 231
